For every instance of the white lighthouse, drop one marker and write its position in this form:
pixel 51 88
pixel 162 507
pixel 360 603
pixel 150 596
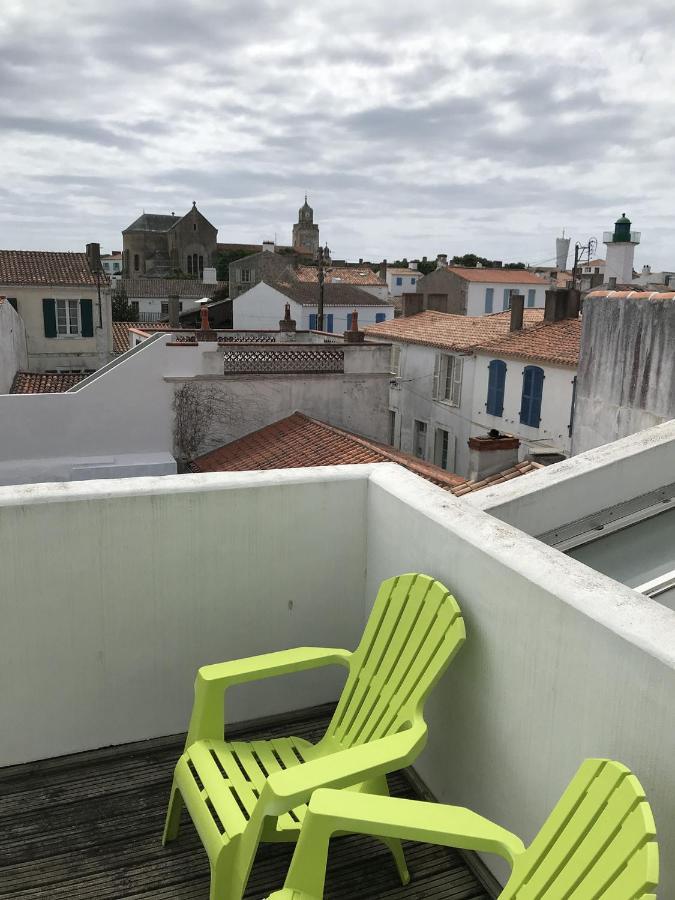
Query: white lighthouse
pixel 621 244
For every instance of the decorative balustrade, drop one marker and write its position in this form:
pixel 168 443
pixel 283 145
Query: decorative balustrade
pixel 290 360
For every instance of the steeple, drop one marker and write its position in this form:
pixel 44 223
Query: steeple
pixel 305 213
pixel 305 232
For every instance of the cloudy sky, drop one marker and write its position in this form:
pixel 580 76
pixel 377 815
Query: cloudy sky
pixel 416 128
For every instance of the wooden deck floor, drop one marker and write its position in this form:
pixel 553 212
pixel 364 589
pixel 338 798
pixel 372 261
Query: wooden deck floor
pixel 89 826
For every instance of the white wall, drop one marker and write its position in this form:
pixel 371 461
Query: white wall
pixel 262 307
pixel 408 282
pixel 13 354
pixel 476 296
pixel 411 398
pixel 556 405
pixel 115 592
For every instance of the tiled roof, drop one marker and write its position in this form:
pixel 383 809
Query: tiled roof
pixel 44 382
pixel 298 441
pixel 448 331
pixel 153 222
pixel 641 293
pixel 396 271
pixel 334 294
pixel 497 276
pixel 42 267
pixel 162 287
pixel 357 275
pixel 553 342
pixel 121 332
pixel 521 468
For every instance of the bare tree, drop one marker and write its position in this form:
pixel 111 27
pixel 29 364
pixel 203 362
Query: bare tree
pixel 194 411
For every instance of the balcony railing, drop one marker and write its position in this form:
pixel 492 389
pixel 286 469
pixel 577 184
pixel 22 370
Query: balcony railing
pixel 290 360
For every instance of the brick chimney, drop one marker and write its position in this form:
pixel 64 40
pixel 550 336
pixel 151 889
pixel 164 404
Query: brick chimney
pixel 205 333
pixel 383 270
pixel 491 453
pixel 354 336
pixel 442 261
pixel 287 324
pixel 517 309
pixel 93 252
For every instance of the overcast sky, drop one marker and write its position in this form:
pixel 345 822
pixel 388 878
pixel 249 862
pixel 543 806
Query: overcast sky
pixel 416 128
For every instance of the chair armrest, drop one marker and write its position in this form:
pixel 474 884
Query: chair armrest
pixel 291 787
pixel 343 811
pixel 208 715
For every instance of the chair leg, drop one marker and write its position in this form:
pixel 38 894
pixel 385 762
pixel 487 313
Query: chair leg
pixel 172 822
pixel 399 858
pixel 231 867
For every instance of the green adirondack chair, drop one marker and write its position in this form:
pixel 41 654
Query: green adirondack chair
pixel 240 793
pixel 597 844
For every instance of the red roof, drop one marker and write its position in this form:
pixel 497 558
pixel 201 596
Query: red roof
pixel 299 441
pixel 121 332
pixel 358 275
pixel 448 331
pixel 497 276
pixel 553 342
pixel 45 382
pixel 41 267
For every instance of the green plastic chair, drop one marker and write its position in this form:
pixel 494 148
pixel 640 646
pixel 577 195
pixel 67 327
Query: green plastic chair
pixel 240 793
pixel 597 844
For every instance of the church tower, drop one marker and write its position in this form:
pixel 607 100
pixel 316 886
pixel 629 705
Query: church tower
pixel 305 232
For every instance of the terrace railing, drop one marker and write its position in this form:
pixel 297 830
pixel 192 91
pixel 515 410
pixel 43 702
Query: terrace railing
pixel 283 359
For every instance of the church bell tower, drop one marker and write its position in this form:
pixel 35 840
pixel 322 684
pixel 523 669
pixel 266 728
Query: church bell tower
pixel 305 232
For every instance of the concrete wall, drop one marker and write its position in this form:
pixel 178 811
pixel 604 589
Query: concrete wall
pixel 63 352
pixel 556 405
pixel 13 354
pixel 113 593
pixel 626 367
pixel 560 664
pixel 411 398
pixel 442 282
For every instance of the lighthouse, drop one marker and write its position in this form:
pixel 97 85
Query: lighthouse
pixel 621 244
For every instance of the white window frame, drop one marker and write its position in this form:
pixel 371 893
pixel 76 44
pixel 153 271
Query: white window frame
pixel 245 276
pixel 447 387
pixel 67 307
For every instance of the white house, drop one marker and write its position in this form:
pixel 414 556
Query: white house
pixel 263 306
pixel 467 291
pixel 113 264
pixel 149 297
pixel 401 280
pixel 358 276
pixel 439 401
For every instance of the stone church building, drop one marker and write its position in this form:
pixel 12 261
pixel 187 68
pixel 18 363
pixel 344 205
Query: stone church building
pixel 305 232
pixel 160 246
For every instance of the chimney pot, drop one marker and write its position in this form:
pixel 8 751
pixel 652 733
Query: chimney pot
pixel 517 310
pixel 353 335
pixel 287 324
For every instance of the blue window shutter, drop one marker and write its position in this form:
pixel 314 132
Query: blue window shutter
pixel 413 280
pixel 49 317
pixel 399 281
pixel 507 298
pixel 87 318
pixel 496 384
pixel 312 321
pixel 531 294
pixel 329 322
pixel 530 405
pixel 380 317
pixel 489 299
pixel 349 321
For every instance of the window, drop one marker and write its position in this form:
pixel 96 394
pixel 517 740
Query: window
pixel 329 322
pixel 399 281
pixel 413 280
pixel 596 270
pixel 380 317
pixel 443 456
pixel 489 299
pixel 531 297
pixel 496 382
pixel 134 307
pixel 507 298
pixel 245 276
pixel 395 360
pixel 312 321
pixel 392 427
pixel 350 318
pixel 530 405
pixel 189 264
pixel 137 262
pixel 165 308
pixel 420 439
pixel 447 386
pixel 67 317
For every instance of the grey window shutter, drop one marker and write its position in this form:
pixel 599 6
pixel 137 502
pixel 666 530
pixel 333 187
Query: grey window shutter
pixel 49 316
pixel 87 318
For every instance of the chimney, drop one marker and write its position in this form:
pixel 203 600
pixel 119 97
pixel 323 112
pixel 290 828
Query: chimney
pixel 646 270
pixel 354 336
pixel 205 333
pixel 287 324
pixel 174 310
pixel 517 307
pixel 555 306
pixel 413 265
pixel 268 246
pixel 612 283
pixel 93 252
pixel 383 270
pixel 209 275
pixel 491 453
pixel 442 261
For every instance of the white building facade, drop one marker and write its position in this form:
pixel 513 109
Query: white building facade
pixel 402 280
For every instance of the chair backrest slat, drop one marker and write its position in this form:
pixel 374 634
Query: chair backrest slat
pixel 599 838
pixel 412 633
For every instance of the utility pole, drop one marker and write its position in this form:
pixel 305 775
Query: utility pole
pixel 319 318
pixel 581 251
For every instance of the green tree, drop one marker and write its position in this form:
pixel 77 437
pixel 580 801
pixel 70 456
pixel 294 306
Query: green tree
pixel 122 310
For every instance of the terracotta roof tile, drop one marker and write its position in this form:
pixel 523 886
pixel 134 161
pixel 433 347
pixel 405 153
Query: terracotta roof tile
pixel 121 332
pixel 45 382
pixel 497 276
pixel 162 287
pixel 299 441
pixel 447 331
pixel 40 267
pixel 553 342
pixel 357 275
pixel 335 294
